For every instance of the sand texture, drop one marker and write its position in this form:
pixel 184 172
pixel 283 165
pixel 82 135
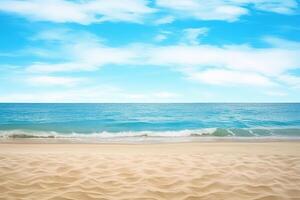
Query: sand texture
pixel 190 171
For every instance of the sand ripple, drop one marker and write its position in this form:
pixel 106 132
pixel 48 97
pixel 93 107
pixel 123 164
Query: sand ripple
pixel 149 177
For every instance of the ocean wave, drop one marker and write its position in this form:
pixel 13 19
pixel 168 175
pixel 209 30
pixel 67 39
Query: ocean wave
pixel 205 132
pixel 105 134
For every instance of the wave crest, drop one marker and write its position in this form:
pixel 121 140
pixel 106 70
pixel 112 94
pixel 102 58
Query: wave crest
pixel 105 134
pixel 212 132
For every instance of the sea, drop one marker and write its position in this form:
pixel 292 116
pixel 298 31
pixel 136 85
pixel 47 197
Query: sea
pixel 147 122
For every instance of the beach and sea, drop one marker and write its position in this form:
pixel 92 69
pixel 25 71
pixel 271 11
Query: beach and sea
pixel 150 151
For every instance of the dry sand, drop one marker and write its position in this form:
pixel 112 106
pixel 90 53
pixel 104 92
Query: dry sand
pixel 180 171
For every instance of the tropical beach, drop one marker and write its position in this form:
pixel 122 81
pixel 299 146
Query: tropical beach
pixel 149 151
pixel 149 100
pixel 187 171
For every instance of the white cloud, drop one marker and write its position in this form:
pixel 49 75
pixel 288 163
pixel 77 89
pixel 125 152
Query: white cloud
pixel 229 10
pixel 163 35
pixel 99 94
pixel 277 6
pixel 291 80
pixel 160 37
pixel 230 77
pixel 276 93
pixel 82 12
pixel 59 67
pixel 78 53
pixel 56 35
pixel 204 10
pixel 54 81
pixel 268 61
pixel 282 43
pixel 165 20
pixel 83 57
pixel 191 35
pixel 233 64
pixel 137 11
pixel 241 63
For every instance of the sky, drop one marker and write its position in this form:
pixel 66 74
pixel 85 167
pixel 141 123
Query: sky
pixel 149 51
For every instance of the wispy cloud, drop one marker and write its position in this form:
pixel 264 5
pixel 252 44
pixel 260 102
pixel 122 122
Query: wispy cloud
pixel 99 94
pixel 291 80
pixel 54 81
pixel 204 10
pixel 164 20
pixel 267 61
pixel 163 35
pixel 238 64
pixel 82 12
pixel 160 37
pixel 175 50
pixel 276 93
pixel 230 78
pixel 191 35
pixel 281 7
pixel 136 11
pixel 78 52
pixel 224 10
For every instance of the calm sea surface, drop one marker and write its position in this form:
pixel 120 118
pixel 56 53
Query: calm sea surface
pixel 149 120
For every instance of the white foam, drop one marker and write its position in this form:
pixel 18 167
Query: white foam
pixel 104 134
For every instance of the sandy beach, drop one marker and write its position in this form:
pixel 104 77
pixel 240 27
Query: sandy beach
pixel 181 171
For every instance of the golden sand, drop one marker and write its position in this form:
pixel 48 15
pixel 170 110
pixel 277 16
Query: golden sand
pixel 183 171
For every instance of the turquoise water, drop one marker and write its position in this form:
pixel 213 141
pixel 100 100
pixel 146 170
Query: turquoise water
pixel 149 120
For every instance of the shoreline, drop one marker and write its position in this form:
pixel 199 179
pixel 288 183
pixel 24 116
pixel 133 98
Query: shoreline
pixel 147 140
pixel 184 147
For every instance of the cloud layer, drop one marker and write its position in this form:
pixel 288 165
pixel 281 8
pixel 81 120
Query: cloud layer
pixel 114 41
pixel 97 11
pixel 239 64
pixel 229 10
pixel 82 12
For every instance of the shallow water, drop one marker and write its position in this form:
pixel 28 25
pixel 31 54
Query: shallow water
pixel 150 120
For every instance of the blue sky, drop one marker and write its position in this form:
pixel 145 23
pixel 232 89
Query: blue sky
pixel 149 51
